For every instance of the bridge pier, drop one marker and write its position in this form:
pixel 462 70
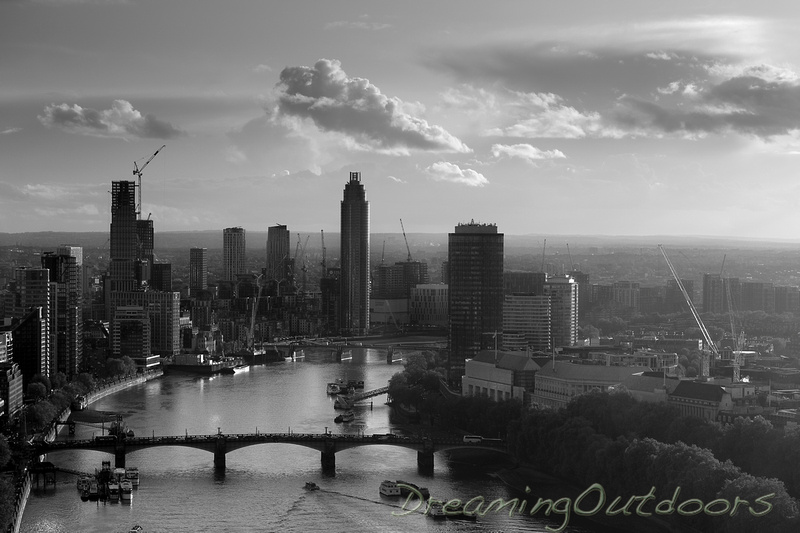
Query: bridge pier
pixel 119 454
pixel 425 461
pixel 220 449
pixel 339 351
pixel 425 457
pixel 389 355
pixel 329 458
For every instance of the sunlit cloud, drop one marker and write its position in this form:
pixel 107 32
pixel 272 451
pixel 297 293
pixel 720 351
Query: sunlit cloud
pixel 446 171
pixel 356 108
pixel 525 151
pixel 122 120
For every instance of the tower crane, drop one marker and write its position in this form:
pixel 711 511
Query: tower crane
pixel 137 171
pixel 706 335
pixel 738 340
pixel 405 239
pixel 252 333
pixel 383 250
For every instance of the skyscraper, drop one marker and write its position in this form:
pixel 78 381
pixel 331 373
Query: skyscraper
pixel 233 250
pixel 198 270
pixel 563 292
pixel 33 303
pixel 124 238
pixel 354 276
pixel 278 259
pixel 66 315
pixel 475 303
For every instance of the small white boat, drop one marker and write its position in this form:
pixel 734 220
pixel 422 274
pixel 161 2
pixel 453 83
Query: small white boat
pixel 132 475
pixel 113 492
pixel 126 491
pixel 389 488
pixel 333 388
pixel 119 474
pixel 436 510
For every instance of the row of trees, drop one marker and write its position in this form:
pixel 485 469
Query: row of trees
pixel 754 445
pixel 568 446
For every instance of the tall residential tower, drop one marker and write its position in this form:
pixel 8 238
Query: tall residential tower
pixel 354 276
pixel 233 254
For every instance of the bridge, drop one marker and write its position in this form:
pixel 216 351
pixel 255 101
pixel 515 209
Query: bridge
pixel 347 401
pixel 220 444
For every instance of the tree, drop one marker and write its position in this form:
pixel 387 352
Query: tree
pixel 36 390
pixel 86 380
pixel 129 365
pixel 7 497
pixel 44 380
pixel 115 367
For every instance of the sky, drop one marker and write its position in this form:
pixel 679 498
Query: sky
pixel 553 118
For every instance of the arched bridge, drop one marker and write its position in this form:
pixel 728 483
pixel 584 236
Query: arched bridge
pixel 220 444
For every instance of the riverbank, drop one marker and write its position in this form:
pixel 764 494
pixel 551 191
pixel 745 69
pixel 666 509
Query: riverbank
pixel 23 486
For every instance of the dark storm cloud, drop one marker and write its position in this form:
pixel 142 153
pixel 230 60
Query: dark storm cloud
pixel 122 120
pixel 745 104
pixel 355 107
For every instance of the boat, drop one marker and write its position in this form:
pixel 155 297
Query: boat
pixel 136 529
pixel 310 485
pixel 333 388
pixel 85 495
pixel 342 402
pixel 113 492
pixel 94 492
pixel 389 488
pixel 132 475
pixel 79 403
pixel 84 481
pixel 119 474
pixel 406 488
pixel 126 491
pixel 435 510
pixel 457 513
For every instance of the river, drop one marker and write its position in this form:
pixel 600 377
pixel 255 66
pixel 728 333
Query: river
pixel 262 487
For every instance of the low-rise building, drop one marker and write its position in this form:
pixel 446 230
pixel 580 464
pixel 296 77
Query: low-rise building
pixel 703 400
pixel 500 375
pixel 558 382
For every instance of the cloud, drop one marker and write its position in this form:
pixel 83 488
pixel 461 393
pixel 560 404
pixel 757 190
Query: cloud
pixel 745 104
pixel 525 151
pixel 262 68
pixel 9 131
pixel 122 120
pixel 397 180
pixel 356 25
pixel 356 108
pixel 82 210
pixel 445 171
pixel 540 115
pixel 664 56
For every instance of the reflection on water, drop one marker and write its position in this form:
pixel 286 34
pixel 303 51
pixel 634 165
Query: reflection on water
pixel 262 487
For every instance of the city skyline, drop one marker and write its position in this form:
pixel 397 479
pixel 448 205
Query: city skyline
pixel 612 119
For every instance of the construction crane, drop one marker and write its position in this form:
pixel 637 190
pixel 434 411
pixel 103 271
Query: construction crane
pixel 383 250
pixel 706 335
pixel 404 238
pixel 251 342
pixel 138 173
pixel 738 339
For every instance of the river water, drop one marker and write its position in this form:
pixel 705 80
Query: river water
pixel 262 487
